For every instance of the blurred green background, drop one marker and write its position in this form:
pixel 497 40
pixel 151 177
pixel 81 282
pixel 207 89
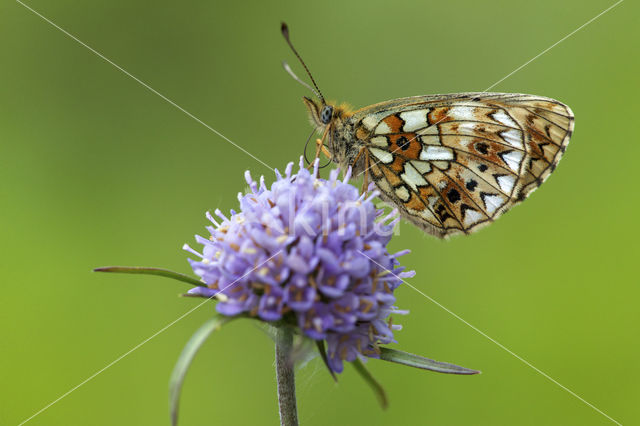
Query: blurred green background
pixel 97 170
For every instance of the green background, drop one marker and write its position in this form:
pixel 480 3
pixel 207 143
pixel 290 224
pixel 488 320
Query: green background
pixel 95 169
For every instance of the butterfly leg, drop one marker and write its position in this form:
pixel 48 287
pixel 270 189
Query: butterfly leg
pixel 324 149
pixel 365 181
pixel 320 148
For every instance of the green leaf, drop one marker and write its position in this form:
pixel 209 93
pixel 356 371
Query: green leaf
pixel 184 361
pixel 418 361
pixel 372 382
pixel 197 296
pixel 151 271
pixel 323 355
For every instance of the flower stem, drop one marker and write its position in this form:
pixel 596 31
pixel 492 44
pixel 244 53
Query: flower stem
pixel 286 378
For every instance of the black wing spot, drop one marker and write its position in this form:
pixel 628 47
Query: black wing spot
pixel 453 196
pixel 483 167
pixel 403 143
pixel 482 148
pixel 464 208
pixel 442 213
pixel 472 184
pixel 542 145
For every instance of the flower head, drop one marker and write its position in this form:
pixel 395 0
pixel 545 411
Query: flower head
pixel 310 252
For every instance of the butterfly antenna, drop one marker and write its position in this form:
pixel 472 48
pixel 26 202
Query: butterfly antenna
pixel 285 33
pixel 289 71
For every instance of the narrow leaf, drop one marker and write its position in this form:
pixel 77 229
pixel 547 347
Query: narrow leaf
pixel 372 382
pixel 197 296
pixel 151 271
pixel 418 361
pixel 184 361
pixel 323 355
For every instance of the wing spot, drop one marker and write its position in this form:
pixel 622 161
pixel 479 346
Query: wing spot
pixel 471 185
pixel 442 213
pixel 453 196
pixel 403 143
pixel 482 148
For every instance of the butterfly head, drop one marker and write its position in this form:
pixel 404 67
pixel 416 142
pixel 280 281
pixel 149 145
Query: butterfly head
pixel 320 113
pixel 325 118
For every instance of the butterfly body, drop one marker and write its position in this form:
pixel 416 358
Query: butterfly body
pixel 450 163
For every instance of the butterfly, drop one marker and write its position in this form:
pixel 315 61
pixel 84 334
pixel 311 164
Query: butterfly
pixel 450 163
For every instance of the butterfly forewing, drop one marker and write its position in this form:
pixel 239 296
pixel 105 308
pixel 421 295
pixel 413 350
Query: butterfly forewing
pixel 455 162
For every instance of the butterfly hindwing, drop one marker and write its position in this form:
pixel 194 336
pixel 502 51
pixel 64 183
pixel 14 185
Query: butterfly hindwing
pixel 453 163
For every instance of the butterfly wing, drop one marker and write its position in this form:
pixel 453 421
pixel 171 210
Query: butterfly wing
pixel 453 163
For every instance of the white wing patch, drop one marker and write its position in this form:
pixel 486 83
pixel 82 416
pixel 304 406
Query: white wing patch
pixel 513 137
pixel 383 129
pixel 430 131
pixel 380 141
pixel 462 113
pixel 513 159
pixel 434 153
pixel 421 166
pixel 506 182
pixel 471 216
pixel 384 185
pixel 402 193
pixel 492 202
pixel 370 122
pixel 502 118
pixel 385 156
pixel 425 214
pixel 412 177
pixel 414 120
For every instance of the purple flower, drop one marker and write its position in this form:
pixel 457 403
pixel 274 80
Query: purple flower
pixel 310 252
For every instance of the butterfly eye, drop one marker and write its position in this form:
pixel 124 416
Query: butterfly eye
pixel 325 115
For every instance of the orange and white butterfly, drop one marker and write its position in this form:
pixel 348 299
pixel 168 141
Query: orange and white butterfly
pixel 450 163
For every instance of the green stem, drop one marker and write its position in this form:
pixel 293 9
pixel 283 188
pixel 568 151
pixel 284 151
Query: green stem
pixel 286 378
